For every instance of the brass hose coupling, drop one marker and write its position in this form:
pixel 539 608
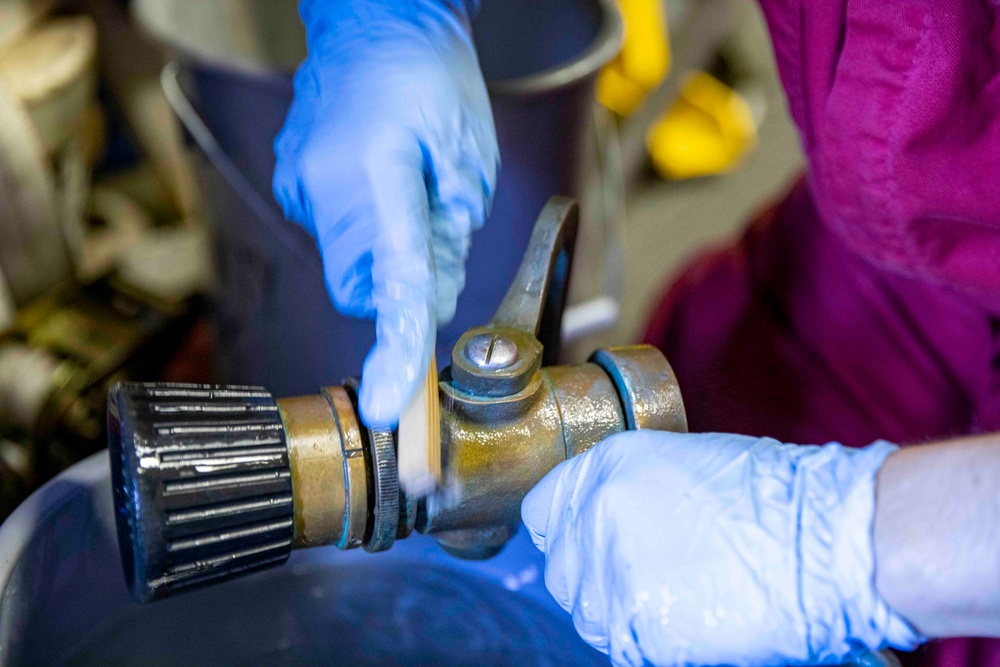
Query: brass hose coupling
pixel 211 482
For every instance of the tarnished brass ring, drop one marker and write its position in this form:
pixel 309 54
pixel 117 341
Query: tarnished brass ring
pixel 380 457
pixel 646 385
pixel 355 475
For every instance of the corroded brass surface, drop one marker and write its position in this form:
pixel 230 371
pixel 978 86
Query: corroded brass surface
pixel 495 450
pixel 354 469
pixel 501 424
pixel 647 386
pixel 588 404
pixel 316 458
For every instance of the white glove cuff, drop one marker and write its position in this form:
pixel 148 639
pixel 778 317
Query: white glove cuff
pixel 845 613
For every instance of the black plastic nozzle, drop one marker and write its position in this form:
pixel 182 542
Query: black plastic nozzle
pixel 202 485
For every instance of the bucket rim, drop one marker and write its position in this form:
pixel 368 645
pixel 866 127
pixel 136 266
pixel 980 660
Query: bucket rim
pixel 605 46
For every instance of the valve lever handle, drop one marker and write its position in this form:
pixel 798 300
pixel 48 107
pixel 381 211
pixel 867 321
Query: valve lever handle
pixel 535 301
pixel 500 358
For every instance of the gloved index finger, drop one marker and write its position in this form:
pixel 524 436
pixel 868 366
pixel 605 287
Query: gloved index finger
pixel 537 505
pixel 403 284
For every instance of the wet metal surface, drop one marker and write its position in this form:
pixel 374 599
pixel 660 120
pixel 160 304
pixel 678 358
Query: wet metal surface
pixel 495 450
pixel 588 405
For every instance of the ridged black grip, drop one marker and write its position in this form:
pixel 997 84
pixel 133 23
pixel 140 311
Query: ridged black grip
pixel 202 485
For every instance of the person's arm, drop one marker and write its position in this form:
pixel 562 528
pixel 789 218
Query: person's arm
pixel 937 536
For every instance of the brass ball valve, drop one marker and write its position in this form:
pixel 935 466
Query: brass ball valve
pixel 211 482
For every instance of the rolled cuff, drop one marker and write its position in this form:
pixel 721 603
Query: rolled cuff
pixel 846 614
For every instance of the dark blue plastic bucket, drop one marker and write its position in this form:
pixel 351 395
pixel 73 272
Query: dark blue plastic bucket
pixel 63 601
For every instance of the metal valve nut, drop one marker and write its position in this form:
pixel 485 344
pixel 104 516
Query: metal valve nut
pixel 646 385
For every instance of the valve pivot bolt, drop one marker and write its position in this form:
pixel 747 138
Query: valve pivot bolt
pixel 491 352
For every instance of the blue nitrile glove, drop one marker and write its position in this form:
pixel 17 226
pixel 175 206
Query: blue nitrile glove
pixel 389 157
pixel 684 549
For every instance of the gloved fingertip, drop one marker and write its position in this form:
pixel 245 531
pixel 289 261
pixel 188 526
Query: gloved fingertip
pixel 537 505
pixel 393 370
pixel 448 290
pixel 382 395
pixel 488 199
pixel 293 200
pixel 379 409
pixel 282 189
pixel 590 631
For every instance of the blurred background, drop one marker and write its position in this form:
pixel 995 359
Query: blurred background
pixel 139 238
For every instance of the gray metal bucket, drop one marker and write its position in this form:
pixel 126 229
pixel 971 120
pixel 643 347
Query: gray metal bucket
pixel 63 601
pixel 276 324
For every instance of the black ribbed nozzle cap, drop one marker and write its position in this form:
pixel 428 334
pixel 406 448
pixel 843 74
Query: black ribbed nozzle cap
pixel 202 485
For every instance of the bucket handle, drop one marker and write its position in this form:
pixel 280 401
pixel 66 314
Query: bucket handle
pixel 246 191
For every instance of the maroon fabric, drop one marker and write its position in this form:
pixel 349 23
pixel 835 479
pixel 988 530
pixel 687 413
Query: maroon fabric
pixel 865 305
pixel 897 104
pixel 789 334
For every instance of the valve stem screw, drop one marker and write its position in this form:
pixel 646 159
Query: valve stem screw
pixel 491 351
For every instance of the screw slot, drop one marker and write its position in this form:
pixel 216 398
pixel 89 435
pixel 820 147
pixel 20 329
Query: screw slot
pixel 491 352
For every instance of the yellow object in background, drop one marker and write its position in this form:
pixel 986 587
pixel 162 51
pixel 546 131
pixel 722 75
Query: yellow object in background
pixel 707 130
pixel 643 61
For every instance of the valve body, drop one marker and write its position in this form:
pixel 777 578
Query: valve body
pixel 214 482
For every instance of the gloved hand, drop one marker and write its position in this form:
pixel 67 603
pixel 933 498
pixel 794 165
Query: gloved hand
pixel 389 158
pixel 683 549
